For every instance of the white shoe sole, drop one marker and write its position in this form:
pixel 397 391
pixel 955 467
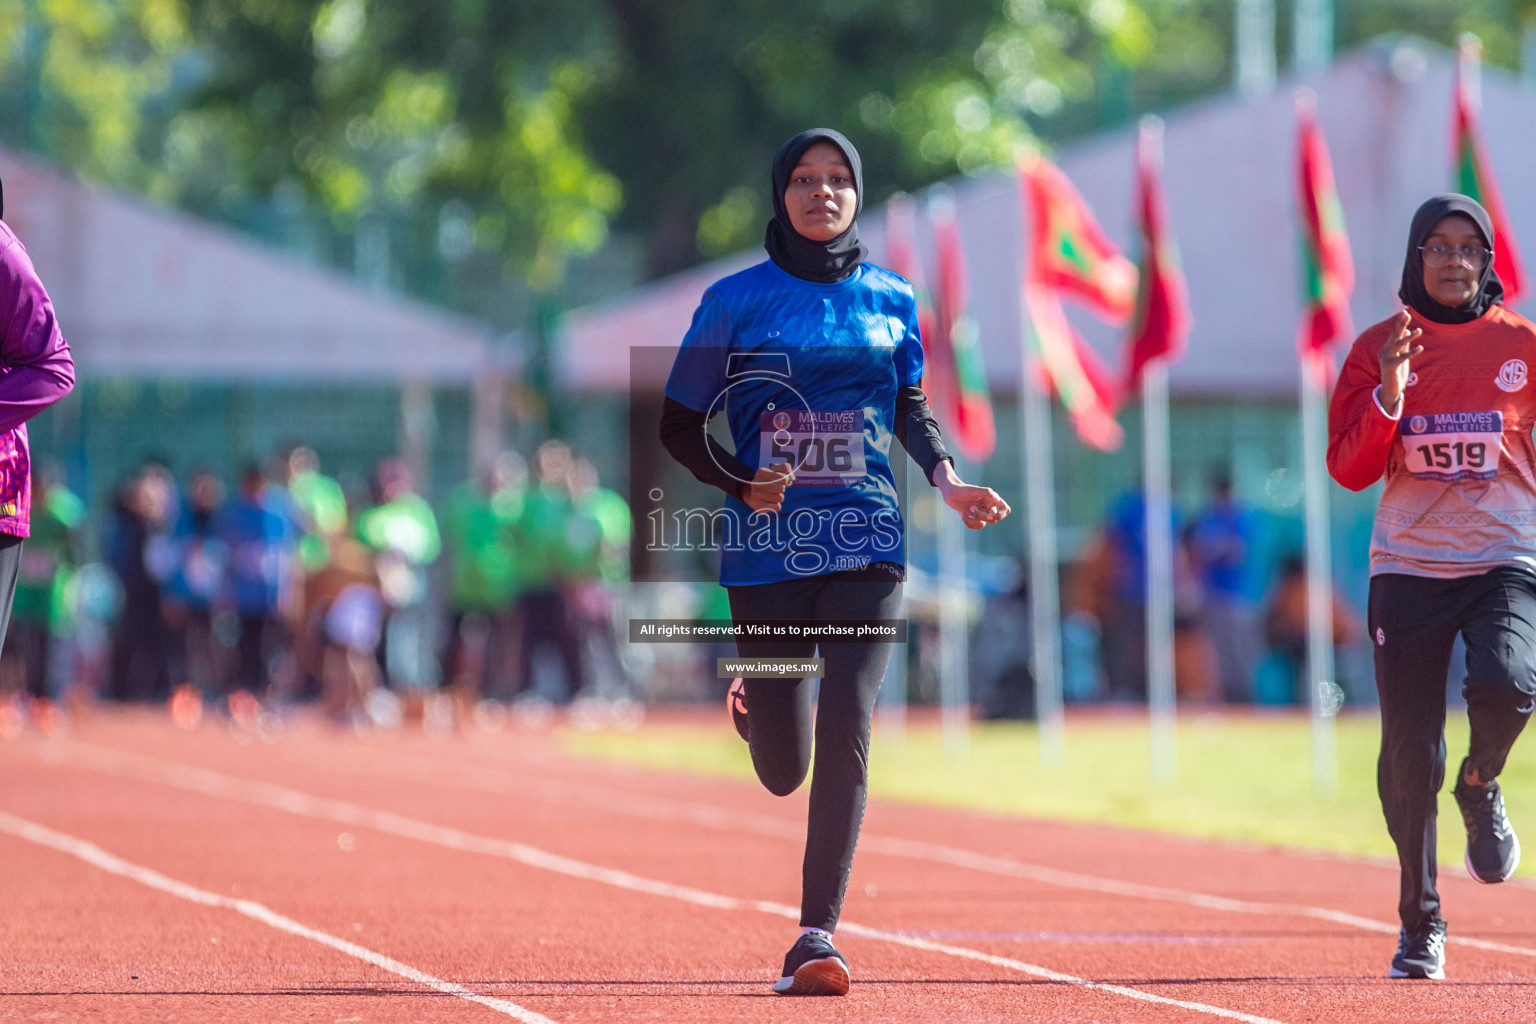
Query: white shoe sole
pixel 1467 860
pixel 1435 975
pixel 825 977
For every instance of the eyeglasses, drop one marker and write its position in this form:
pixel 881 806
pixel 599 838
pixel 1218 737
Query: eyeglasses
pixel 1440 255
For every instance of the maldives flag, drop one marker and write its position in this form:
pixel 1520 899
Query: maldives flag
pixel 1070 252
pixel 1072 370
pixel 1070 255
pixel 1474 173
pixel 1328 274
pixel 959 379
pixel 1162 302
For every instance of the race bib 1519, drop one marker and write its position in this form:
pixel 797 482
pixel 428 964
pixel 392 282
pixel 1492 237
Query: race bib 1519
pixel 1452 446
pixel 825 449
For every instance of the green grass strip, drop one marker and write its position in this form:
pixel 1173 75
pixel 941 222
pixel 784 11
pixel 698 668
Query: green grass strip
pixel 1240 777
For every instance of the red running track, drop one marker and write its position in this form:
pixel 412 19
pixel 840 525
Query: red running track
pixel 154 874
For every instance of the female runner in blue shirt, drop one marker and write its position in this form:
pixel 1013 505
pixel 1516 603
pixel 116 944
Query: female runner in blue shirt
pixel 814 357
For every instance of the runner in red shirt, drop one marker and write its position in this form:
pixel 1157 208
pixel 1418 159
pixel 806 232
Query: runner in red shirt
pixel 1438 400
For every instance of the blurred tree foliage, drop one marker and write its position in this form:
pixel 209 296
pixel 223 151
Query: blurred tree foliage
pixel 458 113
pixel 84 80
pixel 517 133
pixel 691 113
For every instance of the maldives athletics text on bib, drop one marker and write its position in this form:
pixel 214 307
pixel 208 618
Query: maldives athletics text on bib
pixel 825 449
pixel 1452 446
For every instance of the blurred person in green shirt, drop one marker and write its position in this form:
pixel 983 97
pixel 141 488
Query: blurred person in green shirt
pixel 598 539
pixel 319 509
pixel 601 549
pixel 479 518
pixel 319 505
pixel 547 564
pixel 402 532
pixel 40 610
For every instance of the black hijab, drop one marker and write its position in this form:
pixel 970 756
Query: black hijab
pixel 814 261
pixel 1490 289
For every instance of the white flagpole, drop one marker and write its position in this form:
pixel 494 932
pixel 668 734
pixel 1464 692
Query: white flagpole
pixel 954 645
pixel 1044 601
pixel 1161 694
pixel 1323 694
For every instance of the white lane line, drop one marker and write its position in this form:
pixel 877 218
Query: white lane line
pixel 266 794
pixel 617 801
pixel 1048 974
pixel 97 857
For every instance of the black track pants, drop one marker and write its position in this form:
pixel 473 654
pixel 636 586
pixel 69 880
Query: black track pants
pixel 780 715
pixel 1413 623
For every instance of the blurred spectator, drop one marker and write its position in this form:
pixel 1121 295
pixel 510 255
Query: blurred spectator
pixel 1119 566
pixel 195 655
pixel 478 520
pixel 1223 541
pixel 1124 576
pixel 1085 598
pixel 1285 626
pixel 137 548
pixel 95 600
pixel 402 532
pixel 1000 651
pixel 543 536
pixel 262 545
pixel 344 599
pixel 598 539
pixel 40 614
pixel 319 505
pixel 1082 667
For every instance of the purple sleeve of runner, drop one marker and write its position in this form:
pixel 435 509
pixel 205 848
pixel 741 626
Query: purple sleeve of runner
pixel 36 368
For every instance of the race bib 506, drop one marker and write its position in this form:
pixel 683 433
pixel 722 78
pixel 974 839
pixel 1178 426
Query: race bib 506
pixel 825 449
pixel 1452 446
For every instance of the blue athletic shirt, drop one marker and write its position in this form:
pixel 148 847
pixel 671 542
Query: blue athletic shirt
pixel 806 373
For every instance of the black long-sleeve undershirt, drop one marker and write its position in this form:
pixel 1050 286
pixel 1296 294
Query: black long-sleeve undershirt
pixel 684 438
pixel 918 431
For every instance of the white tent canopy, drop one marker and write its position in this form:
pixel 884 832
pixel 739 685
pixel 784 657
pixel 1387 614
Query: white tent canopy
pixel 1231 180
pixel 146 291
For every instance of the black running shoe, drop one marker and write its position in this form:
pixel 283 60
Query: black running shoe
pixel 736 700
pixel 1493 850
pixel 813 968
pixel 1420 953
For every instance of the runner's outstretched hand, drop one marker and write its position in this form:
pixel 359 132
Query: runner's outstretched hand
pixel 977 505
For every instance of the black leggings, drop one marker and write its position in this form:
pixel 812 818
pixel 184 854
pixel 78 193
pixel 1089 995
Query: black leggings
pixel 780 715
pixel 1413 623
